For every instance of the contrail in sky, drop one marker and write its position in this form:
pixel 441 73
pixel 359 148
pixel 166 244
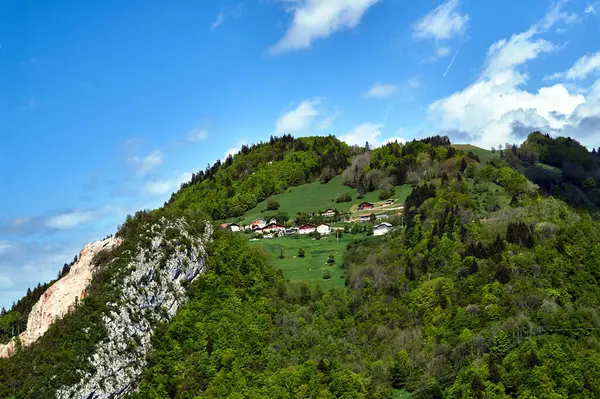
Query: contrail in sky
pixel 452 61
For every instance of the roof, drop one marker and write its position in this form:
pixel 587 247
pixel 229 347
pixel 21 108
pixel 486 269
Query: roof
pixel 274 226
pixel 366 203
pixel 224 225
pixel 328 210
pixel 384 224
pixel 366 215
pixel 233 224
pixel 307 226
pixel 323 224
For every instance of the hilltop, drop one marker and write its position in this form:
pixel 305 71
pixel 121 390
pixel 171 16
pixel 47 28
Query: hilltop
pixel 488 286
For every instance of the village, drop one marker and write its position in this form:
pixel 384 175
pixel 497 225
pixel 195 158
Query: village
pixel 379 215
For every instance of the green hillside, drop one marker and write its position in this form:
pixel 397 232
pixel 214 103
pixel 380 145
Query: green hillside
pixel 483 154
pixel 490 289
pixel 315 197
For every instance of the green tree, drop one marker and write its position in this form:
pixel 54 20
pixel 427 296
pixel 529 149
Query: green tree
pixel 272 204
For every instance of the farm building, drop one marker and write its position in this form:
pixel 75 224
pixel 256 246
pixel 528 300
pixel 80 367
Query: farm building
pixel 306 228
pixel 365 205
pixel 328 213
pixel 382 229
pixel 273 228
pixel 365 217
pixel 323 229
pixel 382 216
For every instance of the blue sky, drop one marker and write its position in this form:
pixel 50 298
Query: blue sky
pixel 108 106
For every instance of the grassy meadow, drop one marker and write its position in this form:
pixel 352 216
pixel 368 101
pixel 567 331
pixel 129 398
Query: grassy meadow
pixel 483 154
pixel 313 266
pixel 315 197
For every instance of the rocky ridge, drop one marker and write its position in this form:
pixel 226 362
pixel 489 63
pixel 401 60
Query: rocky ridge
pixel 60 298
pixel 151 292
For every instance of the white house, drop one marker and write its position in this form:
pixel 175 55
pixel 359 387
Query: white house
pixel 234 227
pixel 382 229
pixel 323 229
pixel 272 221
pixel 273 228
pixel 306 228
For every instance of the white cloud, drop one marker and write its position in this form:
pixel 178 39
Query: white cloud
pixel 382 90
pixel 197 134
pixel 583 67
pixel 5 246
pixel 366 132
pixel 146 164
pixel 5 282
pixel 69 220
pixel 591 9
pixel 166 186
pixel 19 221
pixel 219 20
pixel 371 133
pixel 442 23
pixel 398 140
pixel 497 109
pixel 298 120
pixel 234 150
pixel 315 19
pixel 327 122
pixel 225 13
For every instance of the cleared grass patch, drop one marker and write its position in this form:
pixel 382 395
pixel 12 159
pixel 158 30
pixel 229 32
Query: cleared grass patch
pixel 314 265
pixel 483 154
pixel 315 197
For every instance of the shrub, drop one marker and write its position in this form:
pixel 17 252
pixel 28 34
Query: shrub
pixel 345 197
pixel 327 275
pixel 301 253
pixel 272 205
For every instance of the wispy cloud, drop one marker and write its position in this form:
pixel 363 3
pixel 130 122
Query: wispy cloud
pixel 442 23
pixel 317 19
pixel 226 12
pixel 591 9
pixel 583 67
pixel 72 219
pixel 382 90
pixel 197 134
pixel 144 165
pixel 159 187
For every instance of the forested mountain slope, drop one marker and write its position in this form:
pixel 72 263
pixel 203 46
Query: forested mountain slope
pixel 490 290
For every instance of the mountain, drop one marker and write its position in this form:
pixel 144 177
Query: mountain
pixel 487 286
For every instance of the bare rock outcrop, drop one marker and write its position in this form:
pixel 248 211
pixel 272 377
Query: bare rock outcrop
pixel 60 297
pixel 151 293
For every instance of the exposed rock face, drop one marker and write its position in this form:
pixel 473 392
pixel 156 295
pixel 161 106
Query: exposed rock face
pixel 60 297
pixel 151 293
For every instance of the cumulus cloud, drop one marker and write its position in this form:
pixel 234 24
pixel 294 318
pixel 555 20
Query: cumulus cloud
pixel 496 108
pixel 382 90
pixel 298 120
pixel 317 19
pixel 368 132
pixel 442 23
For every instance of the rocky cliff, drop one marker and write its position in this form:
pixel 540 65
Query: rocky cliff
pixel 150 293
pixel 61 297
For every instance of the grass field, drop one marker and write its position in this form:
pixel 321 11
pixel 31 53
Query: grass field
pixel 315 197
pixel 483 154
pixel 312 267
pixel 401 394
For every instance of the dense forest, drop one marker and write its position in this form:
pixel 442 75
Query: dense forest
pixel 491 290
